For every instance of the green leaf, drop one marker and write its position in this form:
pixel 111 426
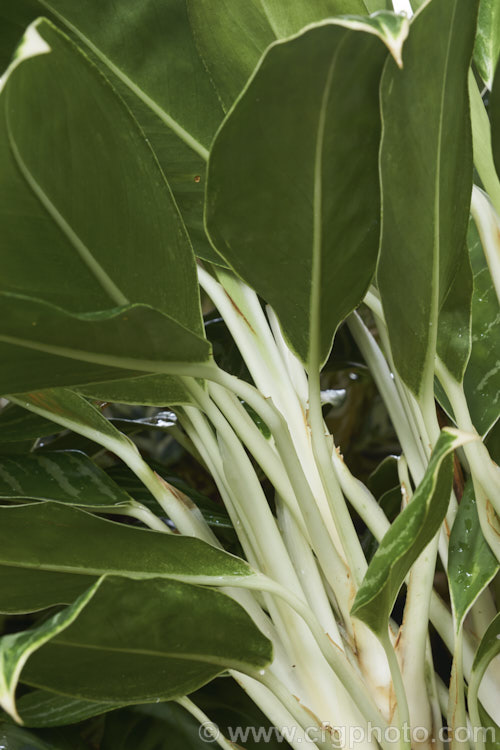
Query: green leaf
pixel 426 178
pixel 67 476
pixel 115 548
pixel 18 425
pixel 268 208
pixel 487 47
pixel 15 738
pixel 168 639
pixel 146 390
pixel 43 346
pixel 179 127
pixel 17 648
pixel 410 533
pixel 23 591
pixel 494 109
pixel 76 209
pixel 164 727
pixel 454 339
pixel 41 708
pixel 471 563
pixel 231 35
pixel 74 412
pixel 482 377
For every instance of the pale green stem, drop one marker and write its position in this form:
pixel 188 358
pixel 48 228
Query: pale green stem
pixel 331 564
pixel 399 689
pixel 481 140
pixel 343 521
pixel 147 517
pixel 295 368
pixel 457 717
pixel 384 380
pixel 275 710
pixel 262 450
pixel 209 730
pixel 306 566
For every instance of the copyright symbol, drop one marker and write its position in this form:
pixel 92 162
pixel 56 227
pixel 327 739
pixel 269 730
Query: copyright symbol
pixel 209 732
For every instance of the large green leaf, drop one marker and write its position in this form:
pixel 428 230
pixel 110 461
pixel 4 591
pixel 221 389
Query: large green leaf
pixel 42 708
pixel 24 591
pixel 487 47
pixel 43 346
pixel 18 425
pixel 114 548
pixel 231 35
pixel 293 186
pixel 471 563
pixel 410 533
pixel 146 390
pixel 482 377
pixel 426 177
pixel 67 476
pixel 82 192
pixel 135 641
pixel 179 126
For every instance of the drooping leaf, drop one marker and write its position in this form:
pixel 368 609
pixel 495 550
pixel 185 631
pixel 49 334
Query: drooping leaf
pixel 305 198
pixel 454 339
pixel 482 377
pixel 471 563
pixel 66 476
pixel 18 425
pixel 146 390
pixel 137 641
pixel 41 708
pixel 76 209
pixel 179 127
pixel 426 177
pixel 487 47
pixel 23 591
pixel 90 545
pixel 410 533
pixel 43 346
pixel 15 649
pixel 231 35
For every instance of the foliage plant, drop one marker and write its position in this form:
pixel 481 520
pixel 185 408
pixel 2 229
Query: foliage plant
pixel 303 168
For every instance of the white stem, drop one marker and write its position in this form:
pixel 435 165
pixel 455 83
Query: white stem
pixel 488 224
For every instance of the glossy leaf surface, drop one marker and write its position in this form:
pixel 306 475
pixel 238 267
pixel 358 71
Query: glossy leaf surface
pixel 84 204
pixel 169 639
pixel 482 377
pixel 43 346
pixel 67 476
pixel 304 199
pixel 410 533
pixel 23 591
pixel 231 35
pixel 426 177
pixel 471 563
pixel 56 538
pixel 487 47
pixel 17 425
pixel 179 127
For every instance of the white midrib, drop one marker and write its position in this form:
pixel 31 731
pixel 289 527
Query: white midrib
pixel 315 298
pixel 171 123
pixel 105 281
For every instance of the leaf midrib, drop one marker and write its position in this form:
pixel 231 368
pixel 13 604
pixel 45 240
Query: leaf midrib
pixel 171 123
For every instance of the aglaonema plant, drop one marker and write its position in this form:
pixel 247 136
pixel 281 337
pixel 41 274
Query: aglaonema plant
pixel 305 166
